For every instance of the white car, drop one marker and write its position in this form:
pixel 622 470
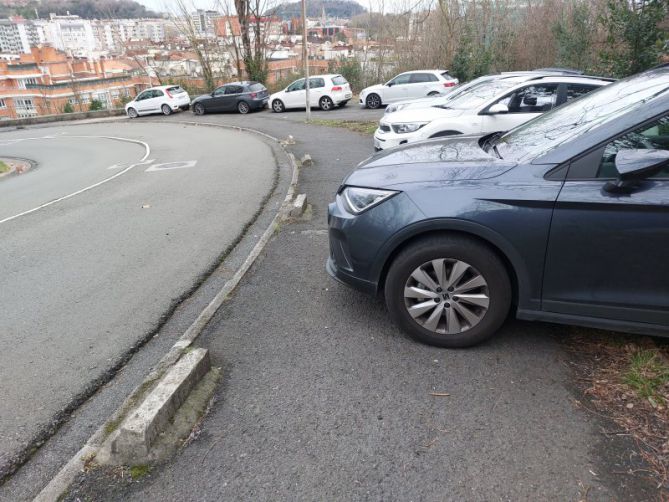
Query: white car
pixel 325 92
pixel 408 85
pixel 164 99
pixel 487 107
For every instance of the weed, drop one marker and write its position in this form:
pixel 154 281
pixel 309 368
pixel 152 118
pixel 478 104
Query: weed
pixel 647 374
pixel 3 167
pixel 139 471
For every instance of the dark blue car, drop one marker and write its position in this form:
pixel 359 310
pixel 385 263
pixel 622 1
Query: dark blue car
pixel 564 219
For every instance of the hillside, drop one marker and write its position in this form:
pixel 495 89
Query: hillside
pixel 333 8
pixel 88 9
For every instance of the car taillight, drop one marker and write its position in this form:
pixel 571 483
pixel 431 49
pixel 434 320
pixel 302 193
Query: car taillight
pixel 449 84
pixel 337 88
pixel 168 93
pixel 254 95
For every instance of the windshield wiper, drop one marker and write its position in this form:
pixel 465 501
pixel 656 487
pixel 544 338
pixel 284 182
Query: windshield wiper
pixel 490 142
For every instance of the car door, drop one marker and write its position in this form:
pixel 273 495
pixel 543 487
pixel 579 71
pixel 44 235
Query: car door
pixel 295 95
pixel 141 101
pixel 397 89
pixel 232 93
pixel 420 85
pixel 607 252
pixel 523 104
pixel 316 90
pixel 217 101
pixel 155 101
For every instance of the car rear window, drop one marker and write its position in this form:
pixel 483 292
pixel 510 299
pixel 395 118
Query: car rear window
pixel 175 90
pixel 446 75
pixel 256 87
pixel 339 80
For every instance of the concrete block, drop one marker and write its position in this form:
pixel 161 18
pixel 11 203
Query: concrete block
pixel 299 205
pixel 306 160
pixel 140 429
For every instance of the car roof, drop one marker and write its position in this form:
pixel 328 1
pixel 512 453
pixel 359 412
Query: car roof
pixel 424 71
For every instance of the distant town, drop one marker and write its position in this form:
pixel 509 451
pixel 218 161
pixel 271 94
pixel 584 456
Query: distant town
pixel 65 63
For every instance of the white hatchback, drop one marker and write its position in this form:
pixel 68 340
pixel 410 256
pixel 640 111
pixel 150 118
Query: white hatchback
pixel 408 85
pixel 164 99
pixel 491 106
pixel 325 92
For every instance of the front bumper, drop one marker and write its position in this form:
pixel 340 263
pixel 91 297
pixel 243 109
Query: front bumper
pixel 358 243
pixel 390 139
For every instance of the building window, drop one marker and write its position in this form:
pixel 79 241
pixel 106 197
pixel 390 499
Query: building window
pixel 25 108
pixel 3 105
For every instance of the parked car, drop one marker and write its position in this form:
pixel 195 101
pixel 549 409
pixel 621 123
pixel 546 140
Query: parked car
pixel 325 92
pixel 564 219
pixel 490 106
pixel 441 99
pixel 408 85
pixel 235 96
pixel 164 99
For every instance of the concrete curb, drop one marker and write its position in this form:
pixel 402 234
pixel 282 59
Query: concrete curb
pixel 62 480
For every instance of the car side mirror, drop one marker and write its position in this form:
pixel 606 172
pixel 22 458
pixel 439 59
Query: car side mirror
pixel 390 84
pixel 498 108
pixel 634 165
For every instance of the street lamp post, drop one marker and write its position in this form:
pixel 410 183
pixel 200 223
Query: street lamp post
pixel 305 58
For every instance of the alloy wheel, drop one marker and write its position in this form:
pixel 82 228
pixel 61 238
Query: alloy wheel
pixel 446 296
pixel 373 101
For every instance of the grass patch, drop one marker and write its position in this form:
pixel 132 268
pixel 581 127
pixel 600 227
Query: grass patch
pixel 625 378
pixel 359 126
pixel 139 471
pixel 648 376
pixel 4 168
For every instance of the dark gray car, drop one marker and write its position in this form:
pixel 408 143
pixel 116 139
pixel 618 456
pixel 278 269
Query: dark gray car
pixel 241 97
pixel 564 219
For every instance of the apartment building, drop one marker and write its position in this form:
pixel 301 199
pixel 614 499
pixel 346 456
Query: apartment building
pixel 46 80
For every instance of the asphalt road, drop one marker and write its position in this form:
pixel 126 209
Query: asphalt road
pixel 89 275
pixel 324 399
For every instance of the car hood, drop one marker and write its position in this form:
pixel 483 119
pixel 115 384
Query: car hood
pixel 202 97
pixel 427 114
pixel 432 161
pixel 371 88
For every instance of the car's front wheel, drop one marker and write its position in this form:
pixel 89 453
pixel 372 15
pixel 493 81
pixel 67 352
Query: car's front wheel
pixel 448 291
pixel 132 113
pixel 198 109
pixel 278 106
pixel 373 101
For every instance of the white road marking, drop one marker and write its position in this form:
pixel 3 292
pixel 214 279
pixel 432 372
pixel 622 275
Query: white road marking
pixel 166 166
pixel 120 173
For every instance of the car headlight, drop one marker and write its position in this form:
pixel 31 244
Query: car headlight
pixel 409 127
pixel 394 108
pixel 361 199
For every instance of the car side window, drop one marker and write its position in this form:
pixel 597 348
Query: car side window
pixel 531 99
pixel 401 79
pixel 298 85
pixel 157 93
pixel 575 91
pixel 654 136
pixel 233 89
pixel 144 95
pixel 220 91
pixel 315 83
pixel 421 78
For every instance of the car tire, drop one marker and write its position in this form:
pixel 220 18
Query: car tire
pixel 373 101
pixel 460 322
pixel 243 107
pixel 198 109
pixel 132 113
pixel 326 104
pixel 166 109
pixel 278 106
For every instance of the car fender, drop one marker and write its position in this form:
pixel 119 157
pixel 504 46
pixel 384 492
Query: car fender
pixel 507 251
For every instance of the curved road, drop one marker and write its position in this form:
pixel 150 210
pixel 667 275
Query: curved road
pixel 114 223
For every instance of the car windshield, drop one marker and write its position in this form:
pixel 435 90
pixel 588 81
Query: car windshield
pixel 580 116
pixel 477 94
